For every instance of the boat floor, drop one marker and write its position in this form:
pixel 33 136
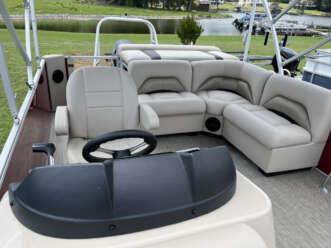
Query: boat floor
pixel 302 213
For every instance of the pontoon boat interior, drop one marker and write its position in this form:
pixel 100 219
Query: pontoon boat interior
pixel 166 146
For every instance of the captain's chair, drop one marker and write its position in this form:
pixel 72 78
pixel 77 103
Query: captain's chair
pixel 99 100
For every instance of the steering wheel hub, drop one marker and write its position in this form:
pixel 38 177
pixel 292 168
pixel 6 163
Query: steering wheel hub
pixel 145 147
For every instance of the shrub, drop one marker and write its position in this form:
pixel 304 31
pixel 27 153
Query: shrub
pixel 189 30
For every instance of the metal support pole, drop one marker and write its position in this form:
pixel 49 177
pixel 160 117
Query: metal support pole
pixel 35 32
pixel 274 37
pixel 28 41
pixel 12 31
pixel 302 54
pixel 325 182
pixel 250 30
pixel 6 84
pixel 284 12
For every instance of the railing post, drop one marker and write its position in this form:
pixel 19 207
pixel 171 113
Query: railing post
pixel 274 37
pixel 28 41
pixel 153 35
pixel 35 32
pixel 12 31
pixel 250 30
pixel 7 85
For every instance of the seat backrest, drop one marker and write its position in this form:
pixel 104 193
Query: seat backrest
pixel 308 105
pixel 245 79
pixel 161 75
pixel 101 100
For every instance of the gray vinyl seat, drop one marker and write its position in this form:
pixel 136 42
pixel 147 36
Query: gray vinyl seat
pixel 99 100
pixel 165 86
pixel 133 52
pixel 269 128
pixel 287 130
pixel 220 83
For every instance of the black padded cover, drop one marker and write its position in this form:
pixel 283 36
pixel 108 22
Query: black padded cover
pixel 124 195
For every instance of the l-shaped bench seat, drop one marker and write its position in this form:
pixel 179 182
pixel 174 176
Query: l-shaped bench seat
pixel 278 122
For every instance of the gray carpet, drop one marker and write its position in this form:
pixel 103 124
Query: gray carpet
pixel 301 211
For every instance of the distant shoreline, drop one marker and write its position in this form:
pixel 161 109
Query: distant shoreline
pixel 82 17
pixel 73 17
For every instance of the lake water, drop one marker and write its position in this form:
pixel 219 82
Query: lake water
pixel 164 26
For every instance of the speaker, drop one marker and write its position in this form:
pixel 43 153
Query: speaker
pixel 213 124
pixel 57 77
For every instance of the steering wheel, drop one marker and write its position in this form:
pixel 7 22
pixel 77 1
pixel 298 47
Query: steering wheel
pixel 145 147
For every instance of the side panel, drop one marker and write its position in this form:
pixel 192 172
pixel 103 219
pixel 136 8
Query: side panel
pixel 42 96
pixel 57 79
pixel 325 161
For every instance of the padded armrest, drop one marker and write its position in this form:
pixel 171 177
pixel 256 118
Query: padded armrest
pixel 148 117
pixel 61 121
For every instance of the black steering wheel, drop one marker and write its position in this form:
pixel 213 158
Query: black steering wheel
pixel 146 147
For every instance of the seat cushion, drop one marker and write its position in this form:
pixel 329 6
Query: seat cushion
pixel 243 78
pixel 173 103
pixel 133 52
pixel 217 100
pixel 265 126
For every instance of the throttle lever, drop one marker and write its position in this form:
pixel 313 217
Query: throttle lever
pixel 47 148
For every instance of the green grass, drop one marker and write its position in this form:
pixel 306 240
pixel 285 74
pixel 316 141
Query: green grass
pixel 77 8
pixel 83 43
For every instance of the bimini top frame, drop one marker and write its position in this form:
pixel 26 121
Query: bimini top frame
pixel 153 35
pixel 32 83
pixel 272 21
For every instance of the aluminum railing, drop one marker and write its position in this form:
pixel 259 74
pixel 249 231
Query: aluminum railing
pixel 153 35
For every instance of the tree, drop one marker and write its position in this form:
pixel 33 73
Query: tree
pixel 189 30
pixel 326 5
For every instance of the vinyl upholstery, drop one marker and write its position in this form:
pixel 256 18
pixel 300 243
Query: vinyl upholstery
pixel 310 104
pixel 164 75
pixel 270 129
pixel 287 130
pixel 99 100
pixel 278 122
pixel 165 86
pixel 246 80
pixel 135 52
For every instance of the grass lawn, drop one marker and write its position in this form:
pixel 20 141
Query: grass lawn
pixel 83 44
pixel 77 8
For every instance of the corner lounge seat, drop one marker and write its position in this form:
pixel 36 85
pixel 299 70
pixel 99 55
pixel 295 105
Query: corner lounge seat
pixel 268 128
pixel 220 83
pixel 287 130
pixel 133 52
pixel 99 100
pixel 165 86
